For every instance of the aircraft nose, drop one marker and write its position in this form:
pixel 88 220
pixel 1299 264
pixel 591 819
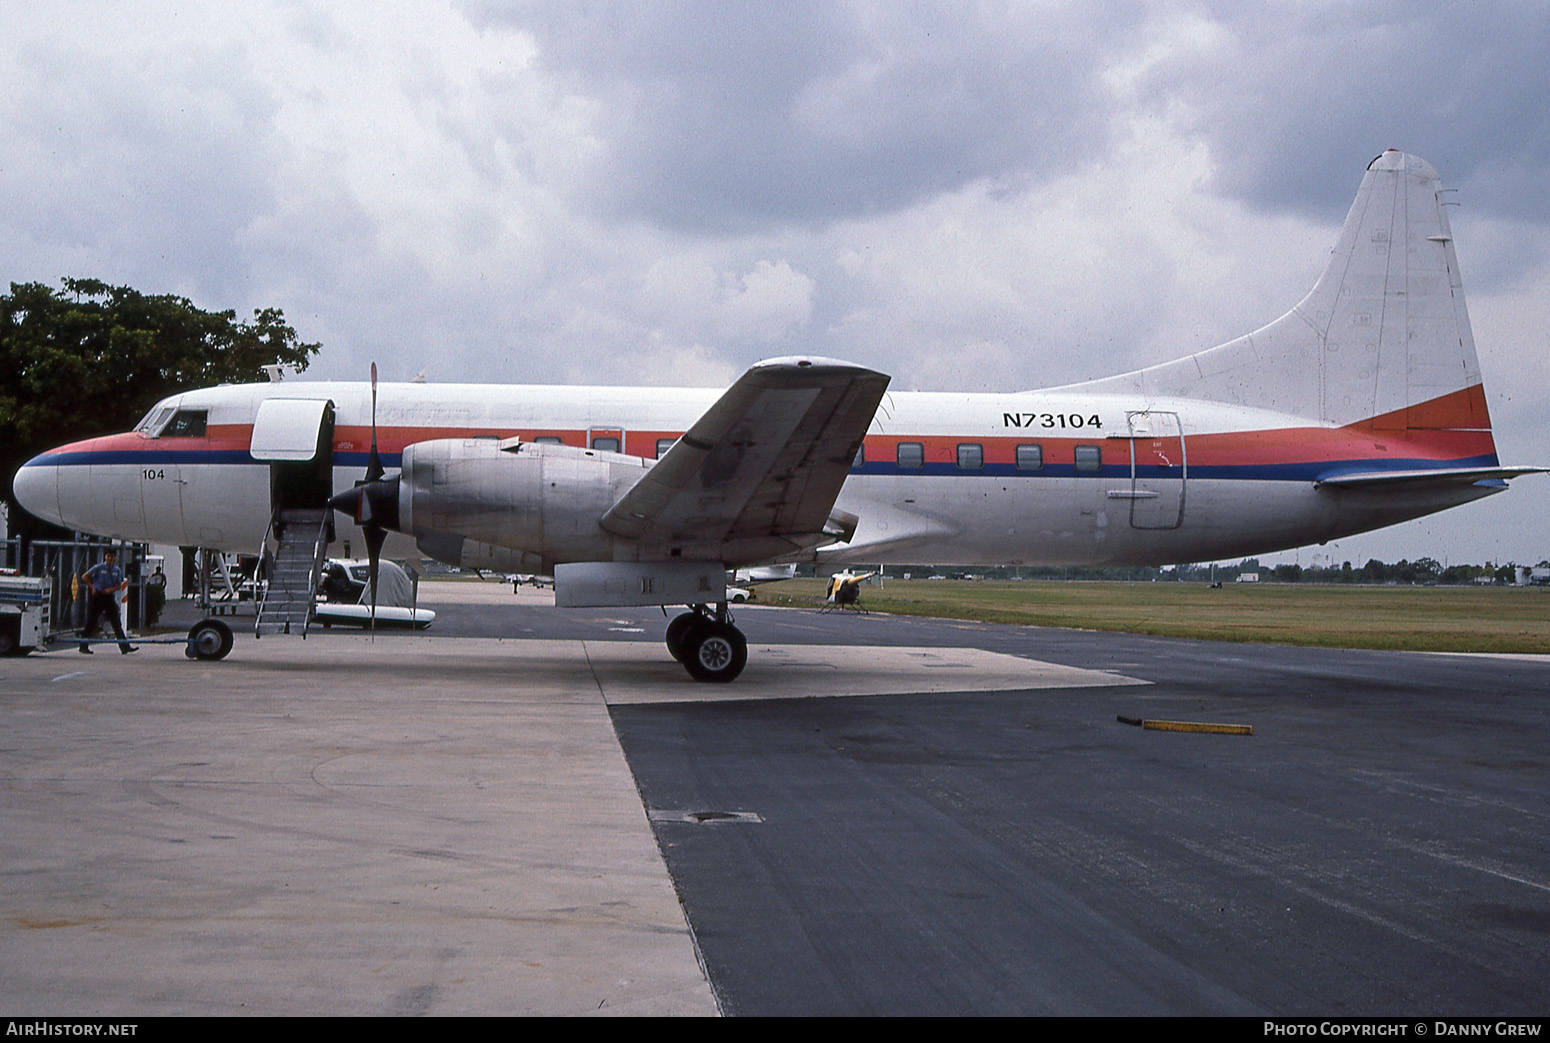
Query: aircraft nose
pixel 37 488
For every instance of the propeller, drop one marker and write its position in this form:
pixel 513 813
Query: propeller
pixel 375 534
pixel 373 504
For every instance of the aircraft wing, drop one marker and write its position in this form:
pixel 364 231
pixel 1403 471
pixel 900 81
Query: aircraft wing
pixel 758 474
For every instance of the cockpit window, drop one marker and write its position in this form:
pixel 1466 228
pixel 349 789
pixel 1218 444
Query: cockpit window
pixel 186 423
pixel 152 421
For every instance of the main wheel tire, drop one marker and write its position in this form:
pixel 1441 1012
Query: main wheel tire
pixel 678 633
pixel 209 639
pixel 715 652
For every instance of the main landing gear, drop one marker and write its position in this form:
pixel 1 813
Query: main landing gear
pixel 707 643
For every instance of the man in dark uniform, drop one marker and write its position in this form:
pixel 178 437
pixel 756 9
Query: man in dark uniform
pixel 103 582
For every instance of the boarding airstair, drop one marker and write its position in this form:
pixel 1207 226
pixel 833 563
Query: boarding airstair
pixel 302 538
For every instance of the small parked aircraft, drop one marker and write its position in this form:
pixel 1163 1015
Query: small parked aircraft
pixel 1361 407
pixel 844 589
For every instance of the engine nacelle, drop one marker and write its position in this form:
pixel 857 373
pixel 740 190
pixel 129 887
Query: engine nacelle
pixel 508 504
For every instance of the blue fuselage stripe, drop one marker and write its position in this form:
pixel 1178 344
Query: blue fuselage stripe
pixel 1305 471
pixel 168 457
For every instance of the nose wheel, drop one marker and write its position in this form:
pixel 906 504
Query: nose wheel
pixel 209 639
pixel 709 647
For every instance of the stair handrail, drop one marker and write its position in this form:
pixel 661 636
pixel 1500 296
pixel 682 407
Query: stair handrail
pixel 263 549
pixel 319 555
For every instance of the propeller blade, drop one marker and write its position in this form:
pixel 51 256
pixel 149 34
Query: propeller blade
pixel 374 469
pixel 372 502
pixel 375 535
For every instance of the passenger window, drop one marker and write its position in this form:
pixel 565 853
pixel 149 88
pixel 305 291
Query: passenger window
pixel 186 423
pixel 911 455
pixel 1089 458
pixel 606 444
pixel 971 456
pixel 549 440
pixel 1030 457
pixel 663 445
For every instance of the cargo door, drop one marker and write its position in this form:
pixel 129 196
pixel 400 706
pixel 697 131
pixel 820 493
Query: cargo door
pixel 1158 470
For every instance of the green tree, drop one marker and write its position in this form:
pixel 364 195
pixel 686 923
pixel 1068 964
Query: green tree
pixel 90 359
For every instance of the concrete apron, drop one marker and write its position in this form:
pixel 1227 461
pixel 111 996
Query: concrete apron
pixel 336 826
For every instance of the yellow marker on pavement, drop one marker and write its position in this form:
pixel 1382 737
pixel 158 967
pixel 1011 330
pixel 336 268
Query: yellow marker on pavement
pixel 1190 726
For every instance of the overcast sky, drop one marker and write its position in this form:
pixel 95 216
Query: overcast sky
pixel 967 197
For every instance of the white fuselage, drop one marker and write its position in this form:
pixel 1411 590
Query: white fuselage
pixel 1058 478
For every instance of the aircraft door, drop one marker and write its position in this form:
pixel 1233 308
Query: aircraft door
pixel 296 438
pixel 1158 470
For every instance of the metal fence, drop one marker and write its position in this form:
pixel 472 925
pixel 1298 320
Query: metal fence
pixel 65 560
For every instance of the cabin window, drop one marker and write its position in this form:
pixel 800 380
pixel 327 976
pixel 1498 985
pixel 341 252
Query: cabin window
pixel 607 443
pixel 971 456
pixel 1030 457
pixel 911 455
pixel 549 440
pixel 663 445
pixel 185 423
pixel 1089 458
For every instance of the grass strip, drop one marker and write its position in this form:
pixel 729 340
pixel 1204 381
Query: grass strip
pixel 1429 619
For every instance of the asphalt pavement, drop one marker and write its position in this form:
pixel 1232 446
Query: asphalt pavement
pixel 531 810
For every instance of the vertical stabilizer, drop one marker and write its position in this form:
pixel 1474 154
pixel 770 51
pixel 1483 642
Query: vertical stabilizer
pixel 1382 339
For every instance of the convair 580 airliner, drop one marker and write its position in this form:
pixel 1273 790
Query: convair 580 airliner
pixel 1359 408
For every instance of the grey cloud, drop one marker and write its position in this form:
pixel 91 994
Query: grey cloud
pixel 730 117
pixel 1300 96
pixel 136 162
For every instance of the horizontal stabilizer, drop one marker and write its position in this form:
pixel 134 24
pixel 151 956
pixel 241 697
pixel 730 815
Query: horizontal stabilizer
pixel 1433 476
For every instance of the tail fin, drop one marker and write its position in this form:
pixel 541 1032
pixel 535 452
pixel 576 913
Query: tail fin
pixel 1383 339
